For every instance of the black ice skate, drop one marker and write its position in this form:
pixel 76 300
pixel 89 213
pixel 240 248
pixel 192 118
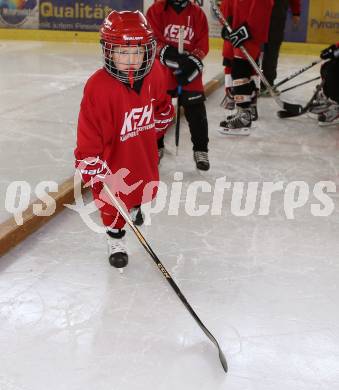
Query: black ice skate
pixel 117 250
pixel 238 124
pixel 253 111
pixel 201 160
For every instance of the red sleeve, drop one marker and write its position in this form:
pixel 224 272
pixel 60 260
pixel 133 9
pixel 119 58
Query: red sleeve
pixel 89 135
pixel 259 10
pixel 155 20
pixel 225 9
pixel 162 105
pixel 295 7
pixel 201 42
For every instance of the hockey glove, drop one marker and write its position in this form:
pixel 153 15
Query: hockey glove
pixel 93 172
pixel 169 56
pixel 189 68
pixel 239 36
pixel 225 34
pixel 330 52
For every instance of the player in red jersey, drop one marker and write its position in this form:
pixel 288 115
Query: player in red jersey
pixel 166 17
pixel 123 110
pixel 250 20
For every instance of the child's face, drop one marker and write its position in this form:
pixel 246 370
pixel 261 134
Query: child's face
pixel 128 58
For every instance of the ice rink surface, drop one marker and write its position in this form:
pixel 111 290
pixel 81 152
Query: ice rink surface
pixel 266 286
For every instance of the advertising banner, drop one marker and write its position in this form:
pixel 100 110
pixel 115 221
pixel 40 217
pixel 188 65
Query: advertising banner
pixel 19 14
pixel 85 15
pixel 323 22
pixel 66 15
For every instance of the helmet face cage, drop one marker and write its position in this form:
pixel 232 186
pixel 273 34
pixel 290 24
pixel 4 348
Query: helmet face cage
pixel 118 60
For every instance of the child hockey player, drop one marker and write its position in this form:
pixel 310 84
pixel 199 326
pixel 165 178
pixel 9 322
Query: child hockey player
pixel 249 20
pixel 166 17
pixel 123 106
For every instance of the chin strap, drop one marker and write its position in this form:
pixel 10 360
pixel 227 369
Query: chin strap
pixel 131 77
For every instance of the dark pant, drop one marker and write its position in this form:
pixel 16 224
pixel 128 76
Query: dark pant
pixel 197 122
pixel 275 38
pixel 195 114
pixel 330 75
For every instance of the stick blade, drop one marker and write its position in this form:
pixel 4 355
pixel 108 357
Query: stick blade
pixel 223 361
pixel 287 114
pixel 292 108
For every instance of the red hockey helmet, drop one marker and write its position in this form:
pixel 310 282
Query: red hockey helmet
pixel 128 45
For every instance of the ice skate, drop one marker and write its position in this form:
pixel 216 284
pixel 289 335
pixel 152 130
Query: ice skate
pixel 329 117
pixel 238 124
pixel 320 104
pixel 253 111
pixel 117 249
pixel 201 160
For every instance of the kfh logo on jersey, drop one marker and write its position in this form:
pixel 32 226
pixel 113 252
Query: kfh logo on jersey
pixel 172 33
pixel 137 120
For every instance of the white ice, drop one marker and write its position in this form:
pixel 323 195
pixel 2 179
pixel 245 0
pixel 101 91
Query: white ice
pixel 265 286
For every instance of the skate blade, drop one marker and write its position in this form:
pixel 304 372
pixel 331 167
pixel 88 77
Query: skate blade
pixel 121 270
pixel 327 124
pixel 242 132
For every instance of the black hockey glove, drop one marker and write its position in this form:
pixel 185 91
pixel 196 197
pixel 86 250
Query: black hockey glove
pixel 225 34
pixel 330 52
pixel 189 68
pixel 169 56
pixel 239 36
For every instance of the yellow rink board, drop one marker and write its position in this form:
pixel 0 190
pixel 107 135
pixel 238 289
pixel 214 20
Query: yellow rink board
pixel 323 21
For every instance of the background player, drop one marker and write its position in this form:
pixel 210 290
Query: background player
pixel 250 21
pixel 165 18
pixel 326 104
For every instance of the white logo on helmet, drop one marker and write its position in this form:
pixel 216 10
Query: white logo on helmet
pixel 127 38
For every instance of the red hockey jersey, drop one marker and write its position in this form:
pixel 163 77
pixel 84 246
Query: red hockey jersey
pixel 256 14
pixel 165 23
pixel 117 124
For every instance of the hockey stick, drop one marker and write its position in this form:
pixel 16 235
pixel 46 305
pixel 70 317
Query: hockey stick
pixel 177 123
pixel 300 84
pixel 290 107
pixel 292 76
pixel 285 114
pixel 165 273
